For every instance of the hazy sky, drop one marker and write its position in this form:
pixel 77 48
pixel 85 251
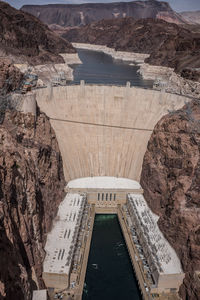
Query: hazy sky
pixel 178 5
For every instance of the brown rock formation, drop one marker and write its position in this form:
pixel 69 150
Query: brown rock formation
pixel 168 44
pixel 31 188
pixel 25 38
pixel 10 77
pixel 191 74
pixel 171 182
pixel 67 15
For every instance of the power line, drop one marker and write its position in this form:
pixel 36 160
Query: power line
pixel 101 125
pixel 120 127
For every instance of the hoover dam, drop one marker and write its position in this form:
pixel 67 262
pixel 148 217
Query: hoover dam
pixel 100 156
pixel 104 130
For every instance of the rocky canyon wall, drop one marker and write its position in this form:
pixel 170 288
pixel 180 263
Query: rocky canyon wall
pixel 171 182
pixel 31 188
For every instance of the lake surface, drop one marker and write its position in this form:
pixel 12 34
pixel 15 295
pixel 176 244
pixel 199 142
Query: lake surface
pixel 100 68
pixel 109 274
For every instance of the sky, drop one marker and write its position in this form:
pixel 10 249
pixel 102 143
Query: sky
pixel 177 5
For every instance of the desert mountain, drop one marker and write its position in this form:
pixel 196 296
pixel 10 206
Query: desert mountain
pixel 66 15
pixel 25 38
pixel 192 17
pixel 168 44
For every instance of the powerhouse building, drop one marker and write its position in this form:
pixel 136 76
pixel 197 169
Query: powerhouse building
pixel 103 191
pixel 61 242
pixel 162 259
pixel 108 195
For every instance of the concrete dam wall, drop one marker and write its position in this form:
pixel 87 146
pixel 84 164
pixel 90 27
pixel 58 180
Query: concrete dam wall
pixel 104 130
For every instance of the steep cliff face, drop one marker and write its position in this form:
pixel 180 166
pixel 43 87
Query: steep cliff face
pixel 77 15
pixel 10 77
pixel 124 34
pixel 31 188
pixel 26 39
pixel 171 182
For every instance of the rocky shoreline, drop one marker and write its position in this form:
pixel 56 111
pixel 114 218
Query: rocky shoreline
pixel 165 78
pixel 46 72
pixel 168 80
pixel 131 57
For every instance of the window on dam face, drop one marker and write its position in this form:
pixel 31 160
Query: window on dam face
pixel 109 271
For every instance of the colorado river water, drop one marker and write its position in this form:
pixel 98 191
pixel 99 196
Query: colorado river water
pixel 100 68
pixel 109 273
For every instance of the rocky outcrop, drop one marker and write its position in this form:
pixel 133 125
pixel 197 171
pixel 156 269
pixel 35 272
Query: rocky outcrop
pixel 26 39
pixel 166 79
pixel 169 45
pixel 31 188
pixel 191 74
pixel 66 15
pixel 119 33
pixel 171 179
pixel 179 50
pixel 179 85
pixel 10 77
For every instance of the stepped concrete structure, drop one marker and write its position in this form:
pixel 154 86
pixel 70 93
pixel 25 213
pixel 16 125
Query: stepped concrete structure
pixel 40 295
pixel 158 269
pixel 104 130
pixel 162 259
pixel 62 240
pixel 105 193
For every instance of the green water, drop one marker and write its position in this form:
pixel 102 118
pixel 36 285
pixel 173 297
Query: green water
pixel 109 274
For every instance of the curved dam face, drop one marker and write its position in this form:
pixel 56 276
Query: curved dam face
pixel 104 130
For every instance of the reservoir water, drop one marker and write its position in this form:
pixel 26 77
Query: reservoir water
pixel 100 68
pixel 109 274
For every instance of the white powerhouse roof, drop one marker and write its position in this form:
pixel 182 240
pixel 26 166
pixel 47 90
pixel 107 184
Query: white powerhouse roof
pixel 103 182
pixel 40 295
pixel 62 238
pixel 160 248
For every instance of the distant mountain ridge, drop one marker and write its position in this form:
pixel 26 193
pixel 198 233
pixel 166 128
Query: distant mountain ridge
pixel 70 15
pixel 192 17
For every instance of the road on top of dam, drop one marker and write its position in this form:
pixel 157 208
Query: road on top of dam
pixel 100 68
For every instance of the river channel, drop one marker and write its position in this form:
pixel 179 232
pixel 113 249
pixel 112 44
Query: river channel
pixel 109 274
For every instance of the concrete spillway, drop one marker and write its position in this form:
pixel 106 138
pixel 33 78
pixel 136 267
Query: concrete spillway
pixel 100 128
